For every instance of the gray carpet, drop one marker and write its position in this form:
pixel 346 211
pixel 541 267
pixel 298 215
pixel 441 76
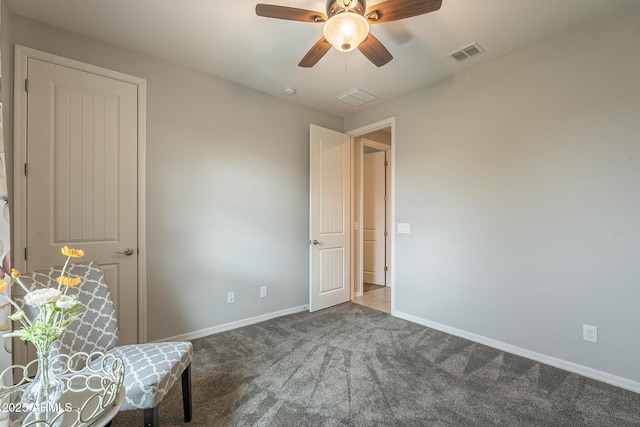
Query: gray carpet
pixel 353 366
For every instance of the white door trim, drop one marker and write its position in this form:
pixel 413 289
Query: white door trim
pixel 390 122
pixel 19 219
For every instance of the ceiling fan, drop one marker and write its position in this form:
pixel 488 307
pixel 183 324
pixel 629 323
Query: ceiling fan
pixel 346 24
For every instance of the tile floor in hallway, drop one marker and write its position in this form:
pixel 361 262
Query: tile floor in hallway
pixel 376 297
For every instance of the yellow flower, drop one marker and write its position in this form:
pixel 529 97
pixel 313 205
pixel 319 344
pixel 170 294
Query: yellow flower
pixel 15 273
pixel 3 285
pixel 73 253
pixel 69 281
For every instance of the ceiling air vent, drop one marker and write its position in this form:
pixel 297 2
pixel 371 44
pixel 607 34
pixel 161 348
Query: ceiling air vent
pixel 467 52
pixel 356 97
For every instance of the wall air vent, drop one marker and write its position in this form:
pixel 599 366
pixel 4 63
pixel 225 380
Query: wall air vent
pixel 467 52
pixel 356 97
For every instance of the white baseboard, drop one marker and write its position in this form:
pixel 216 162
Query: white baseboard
pixel 605 377
pixel 234 325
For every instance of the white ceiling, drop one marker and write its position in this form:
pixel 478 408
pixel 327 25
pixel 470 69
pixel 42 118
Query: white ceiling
pixel 226 39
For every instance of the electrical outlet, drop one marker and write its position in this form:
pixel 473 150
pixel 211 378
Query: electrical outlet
pixel 231 297
pixel 263 291
pixel 590 333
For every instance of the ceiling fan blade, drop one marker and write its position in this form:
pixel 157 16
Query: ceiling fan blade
pixel 315 54
pixel 289 13
pixel 393 10
pixel 375 51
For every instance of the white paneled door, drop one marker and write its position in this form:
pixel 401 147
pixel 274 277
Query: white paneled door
pixel 330 179
pixel 82 135
pixel 374 218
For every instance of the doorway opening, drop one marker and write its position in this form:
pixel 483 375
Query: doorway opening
pixel 372 216
pixel 337 233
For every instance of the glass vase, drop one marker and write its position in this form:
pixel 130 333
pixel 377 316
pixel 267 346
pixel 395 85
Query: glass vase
pixel 41 396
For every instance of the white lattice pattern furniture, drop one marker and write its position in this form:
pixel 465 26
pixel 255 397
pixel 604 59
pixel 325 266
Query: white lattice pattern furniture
pixel 150 369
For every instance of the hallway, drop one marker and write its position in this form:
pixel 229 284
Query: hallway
pixel 376 297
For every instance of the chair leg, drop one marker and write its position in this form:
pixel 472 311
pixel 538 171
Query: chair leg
pixel 186 393
pixel 151 417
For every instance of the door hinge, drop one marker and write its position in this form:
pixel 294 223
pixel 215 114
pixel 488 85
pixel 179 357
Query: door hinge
pixel 386 268
pixel 386 233
pixel 26 170
pixel 386 198
pixel 25 253
pixel 386 163
pixel 26 85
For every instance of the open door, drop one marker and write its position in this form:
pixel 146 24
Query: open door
pixel 374 220
pixel 330 204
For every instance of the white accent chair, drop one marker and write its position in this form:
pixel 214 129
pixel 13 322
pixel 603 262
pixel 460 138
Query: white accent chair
pixel 150 369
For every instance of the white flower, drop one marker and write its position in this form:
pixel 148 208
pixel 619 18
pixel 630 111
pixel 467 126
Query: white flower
pixel 42 297
pixel 18 315
pixel 65 301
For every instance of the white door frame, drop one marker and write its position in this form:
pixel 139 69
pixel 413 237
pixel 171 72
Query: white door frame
pixel 387 123
pixel 19 219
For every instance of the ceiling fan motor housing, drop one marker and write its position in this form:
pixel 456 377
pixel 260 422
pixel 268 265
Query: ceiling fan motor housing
pixel 339 6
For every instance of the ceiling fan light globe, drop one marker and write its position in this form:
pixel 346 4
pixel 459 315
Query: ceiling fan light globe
pixel 345 31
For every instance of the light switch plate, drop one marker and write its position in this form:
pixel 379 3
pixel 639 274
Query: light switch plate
pixel 404 228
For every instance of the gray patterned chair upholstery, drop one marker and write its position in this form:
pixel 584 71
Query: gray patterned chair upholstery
pixel 150 369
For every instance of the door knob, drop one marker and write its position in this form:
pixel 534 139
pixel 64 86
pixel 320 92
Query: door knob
pixel 127 252
pixel 315 242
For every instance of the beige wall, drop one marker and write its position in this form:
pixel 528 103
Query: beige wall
pixel 521 181
pixel 520 178
pixel 227 180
